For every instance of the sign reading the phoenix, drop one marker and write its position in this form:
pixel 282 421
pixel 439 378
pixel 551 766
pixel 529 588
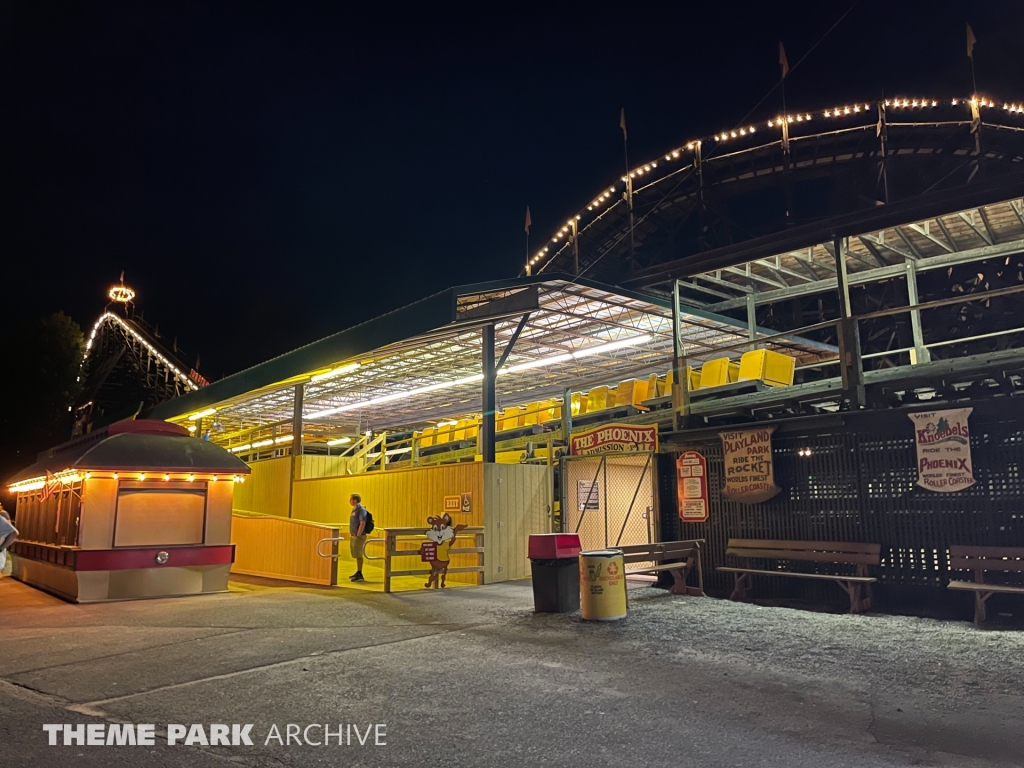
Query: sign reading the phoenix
pixel 614 438
pixel 943 450
pixel 749 472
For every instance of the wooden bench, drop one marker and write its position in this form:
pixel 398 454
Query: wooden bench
pixel 979 560
pixel 843 552
pixel 688 552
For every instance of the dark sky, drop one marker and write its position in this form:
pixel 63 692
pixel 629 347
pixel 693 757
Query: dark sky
pixel 267 173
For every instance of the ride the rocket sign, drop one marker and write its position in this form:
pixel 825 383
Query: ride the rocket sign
pixel 749 472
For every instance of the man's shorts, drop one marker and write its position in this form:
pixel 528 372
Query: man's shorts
pixel 356 545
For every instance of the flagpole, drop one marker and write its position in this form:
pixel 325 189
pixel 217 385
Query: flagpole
pixel 971 41
pixel 529 223
pixel 629 183
pixel 787 180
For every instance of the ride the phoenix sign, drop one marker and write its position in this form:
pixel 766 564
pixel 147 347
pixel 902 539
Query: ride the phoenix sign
pixel 943 450
pixel 749 472
pixel 614 438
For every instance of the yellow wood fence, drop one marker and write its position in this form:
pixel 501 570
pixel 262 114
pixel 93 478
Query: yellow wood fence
pixel 393 537
pixel 280 548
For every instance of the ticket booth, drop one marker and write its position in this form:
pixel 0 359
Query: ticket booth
pixel 137 509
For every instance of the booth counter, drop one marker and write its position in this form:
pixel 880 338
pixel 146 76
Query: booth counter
pixel 138 509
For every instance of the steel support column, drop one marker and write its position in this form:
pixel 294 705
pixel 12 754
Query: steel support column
pixel 680 396
pixel 851 365
pixel 487 404
pixel 920 353
pixel 752 320
pixel 296 447
pixel 575 246
pixel 566 417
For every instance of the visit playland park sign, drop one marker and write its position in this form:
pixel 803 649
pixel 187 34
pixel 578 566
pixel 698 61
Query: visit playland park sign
pixel 614 438
pixel 943 450
pixel 749 473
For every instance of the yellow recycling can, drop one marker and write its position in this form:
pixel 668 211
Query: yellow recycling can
pixel 602 585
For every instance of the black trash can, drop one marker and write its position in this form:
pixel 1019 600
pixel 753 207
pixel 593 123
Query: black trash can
pixel 556 585
pixel 554 563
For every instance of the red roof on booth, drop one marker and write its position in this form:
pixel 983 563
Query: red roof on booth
pixel 144 445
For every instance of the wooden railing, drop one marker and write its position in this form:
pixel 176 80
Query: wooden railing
pixel 280 548
pixel 393 537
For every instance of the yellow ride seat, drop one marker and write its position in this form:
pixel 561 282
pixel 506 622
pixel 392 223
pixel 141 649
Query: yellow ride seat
pixel 509 418
pixel 773 368
pixel 652 386
pixel 715 373
pixel 555 411
pixel 597 399
pixel 583 404
pixel 630 392
pixel 442 435
pixel 531 415
pixel 693 380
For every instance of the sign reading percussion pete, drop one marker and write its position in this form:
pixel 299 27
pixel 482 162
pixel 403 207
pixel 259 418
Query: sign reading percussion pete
pixel 749 472
pixel 614 438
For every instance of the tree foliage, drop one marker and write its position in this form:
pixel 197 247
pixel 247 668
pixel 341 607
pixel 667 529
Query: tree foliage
pixel 42 361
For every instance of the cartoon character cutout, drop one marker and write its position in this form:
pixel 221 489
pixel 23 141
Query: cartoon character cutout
pixel 441 534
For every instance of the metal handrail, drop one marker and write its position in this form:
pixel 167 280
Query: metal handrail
pixel 377 540
pixel 330 556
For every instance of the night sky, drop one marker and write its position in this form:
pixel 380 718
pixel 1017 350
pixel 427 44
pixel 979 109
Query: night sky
pixel 267 174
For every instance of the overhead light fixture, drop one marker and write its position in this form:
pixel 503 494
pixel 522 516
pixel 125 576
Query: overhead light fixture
pixel 564 357
pixel 339 441
pixel 201 414
pixel 335 372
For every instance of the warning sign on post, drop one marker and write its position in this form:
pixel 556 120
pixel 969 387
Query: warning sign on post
pixel 692 487
pixel 588 494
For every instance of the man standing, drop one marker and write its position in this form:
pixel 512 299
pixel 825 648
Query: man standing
pixel 357 534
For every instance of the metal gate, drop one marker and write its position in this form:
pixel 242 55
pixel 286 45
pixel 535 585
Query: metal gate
pixel 610 500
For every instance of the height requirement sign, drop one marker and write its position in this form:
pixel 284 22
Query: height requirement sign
pixel 692 487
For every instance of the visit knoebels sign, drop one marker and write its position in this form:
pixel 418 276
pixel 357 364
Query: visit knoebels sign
pixel 749 474
pixel 614 438
pixel 943 450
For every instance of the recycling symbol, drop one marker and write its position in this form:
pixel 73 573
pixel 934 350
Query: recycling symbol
pixel 612 569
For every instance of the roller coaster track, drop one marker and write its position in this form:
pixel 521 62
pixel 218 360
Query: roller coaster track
pixel 127 367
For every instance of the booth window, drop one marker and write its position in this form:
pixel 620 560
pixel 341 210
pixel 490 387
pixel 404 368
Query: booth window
pixel 53 520
pixel 165 516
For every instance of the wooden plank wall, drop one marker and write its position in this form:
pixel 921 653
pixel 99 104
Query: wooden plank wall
pixel 518 503
pixel 281 549
pixel 397 499
pixel 314 466
pixel 265 491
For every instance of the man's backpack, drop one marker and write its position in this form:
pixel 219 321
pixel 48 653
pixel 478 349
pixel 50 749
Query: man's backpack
pixel 369 523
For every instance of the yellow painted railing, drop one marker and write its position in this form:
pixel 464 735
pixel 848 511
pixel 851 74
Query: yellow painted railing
pixel 418 536
pixel 279 548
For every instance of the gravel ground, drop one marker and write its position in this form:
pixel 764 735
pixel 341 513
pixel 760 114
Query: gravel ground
pixel 472 677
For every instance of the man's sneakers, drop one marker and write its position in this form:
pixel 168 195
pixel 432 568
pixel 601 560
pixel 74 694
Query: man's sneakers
pixel 357 576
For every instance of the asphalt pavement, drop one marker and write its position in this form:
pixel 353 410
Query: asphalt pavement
pixel 472 677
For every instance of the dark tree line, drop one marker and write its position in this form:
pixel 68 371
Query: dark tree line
pixel 39 382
